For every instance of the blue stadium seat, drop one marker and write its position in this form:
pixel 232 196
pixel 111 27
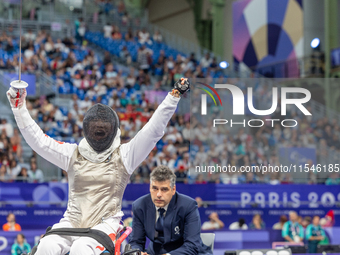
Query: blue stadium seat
pixel 63 110
pixel 69 140
pixel 40 117
pixel 81 94
pixel 73 90
pixel 64 55
pixel 105 101
pixel 62 90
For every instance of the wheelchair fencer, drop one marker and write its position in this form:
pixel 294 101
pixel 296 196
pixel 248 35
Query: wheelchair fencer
pixel 111 247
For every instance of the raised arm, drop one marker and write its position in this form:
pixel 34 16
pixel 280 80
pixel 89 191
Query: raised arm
pixel 57 153
pixel 135 151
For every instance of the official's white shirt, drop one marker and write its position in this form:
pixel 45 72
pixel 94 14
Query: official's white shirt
pixel 157 212
pixel 236 226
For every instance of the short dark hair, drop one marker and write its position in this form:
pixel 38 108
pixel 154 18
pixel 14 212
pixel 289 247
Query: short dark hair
pixel 241 222
pixel 22 235
pixel 10 214
pixel 163 173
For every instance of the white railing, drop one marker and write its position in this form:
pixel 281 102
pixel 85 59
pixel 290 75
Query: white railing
pixel 44 85
pixel 35 26
pixel 4 85
pixel 308 66
pixel 179 43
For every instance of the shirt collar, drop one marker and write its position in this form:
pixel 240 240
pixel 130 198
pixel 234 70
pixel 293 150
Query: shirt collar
pixel 165 207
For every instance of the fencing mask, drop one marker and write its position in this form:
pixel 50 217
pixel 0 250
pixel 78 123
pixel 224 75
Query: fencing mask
pixel 100 127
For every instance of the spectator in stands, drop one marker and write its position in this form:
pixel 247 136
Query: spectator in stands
pixel 10 47
pixel 157 37
pixel 329 219
pixel 287 178
pixel 213 223
pixel 314 234
pixel 206 61
pixel 35 174
pixel 129 35
pixel 23 175
pixel 29 52
pixel 250 178
pixel 292 231
pixel 274 179
pixel 47 106
pixel 144 37
pixel 238 225
pixel 214 65
pixel 125 19
pixel 125 56
pixel 257 222
pixel 143 170
pixel 11 225
pixel 282 221
pixel 81 30
pixel 181 174
pixel 49 46
pixel 333 179
pixel 312 176
pixel 2 64
pixel 4 176
pixel 121 7
pixel 306 221
pixel 15 141
pixel 143 58
pixel 20 246
pixel 200 179
pixel 7 127
pixel 108 30
pixel 66 128
pixel 123 100
pixel 30 36
pixel 200 202
pixel 60 46
pixel 215 179
pixel 116 35
pixel 14 169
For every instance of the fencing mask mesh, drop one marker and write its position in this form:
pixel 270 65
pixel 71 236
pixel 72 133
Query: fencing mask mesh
pixel 100 127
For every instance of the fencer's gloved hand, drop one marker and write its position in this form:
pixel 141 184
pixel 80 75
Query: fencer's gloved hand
pixel 14 100
pixel 181 87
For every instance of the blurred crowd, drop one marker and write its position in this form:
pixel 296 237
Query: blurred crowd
pixel 148 65
pixel 12 166
pixel 258 223
pixel 223 145
pixel 295 229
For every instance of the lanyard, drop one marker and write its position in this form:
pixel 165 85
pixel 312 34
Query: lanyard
pixel 316 231
pixel 293 228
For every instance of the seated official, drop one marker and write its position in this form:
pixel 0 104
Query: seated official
pixel 292 231
pixel 20 246
pixel 11 225
pixel 314 235
pixel 257 223
pixel 213 223
pixel 169 219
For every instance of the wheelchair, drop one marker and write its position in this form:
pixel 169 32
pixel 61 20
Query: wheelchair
pixel 111 248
